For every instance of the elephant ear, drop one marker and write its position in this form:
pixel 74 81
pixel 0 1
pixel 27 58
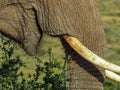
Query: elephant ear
pixel 31 33
pixel 31 40
pixel 19 23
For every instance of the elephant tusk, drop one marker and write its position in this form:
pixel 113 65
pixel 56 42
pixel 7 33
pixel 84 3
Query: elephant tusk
pixel 89 55
pixel 111 75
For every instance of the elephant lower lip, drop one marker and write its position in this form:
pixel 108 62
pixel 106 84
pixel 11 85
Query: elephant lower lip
pixel 89 55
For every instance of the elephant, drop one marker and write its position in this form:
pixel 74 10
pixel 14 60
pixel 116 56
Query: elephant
pixel 75 21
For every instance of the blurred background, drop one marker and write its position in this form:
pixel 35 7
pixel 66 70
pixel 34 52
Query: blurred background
pixel 30 73
pixel 110 12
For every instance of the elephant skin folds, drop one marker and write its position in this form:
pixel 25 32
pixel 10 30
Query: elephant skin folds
pixel 78 18
pixel 26 20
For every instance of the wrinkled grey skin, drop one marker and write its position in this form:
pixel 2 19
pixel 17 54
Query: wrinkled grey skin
pixel 26 20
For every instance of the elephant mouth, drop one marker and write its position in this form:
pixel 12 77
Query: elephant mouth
pixel 110 68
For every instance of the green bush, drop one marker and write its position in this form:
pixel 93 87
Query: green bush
pixel 10 65
pixel 11 79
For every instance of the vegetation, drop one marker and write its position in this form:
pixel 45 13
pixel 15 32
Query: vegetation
pixel 52 72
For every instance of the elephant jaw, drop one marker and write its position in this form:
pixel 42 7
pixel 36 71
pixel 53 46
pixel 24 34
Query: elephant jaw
pixel 92 57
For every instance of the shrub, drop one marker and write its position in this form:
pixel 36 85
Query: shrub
pixel 10 79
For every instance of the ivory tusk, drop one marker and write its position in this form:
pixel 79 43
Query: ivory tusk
pixel 111 75
pixel 89 55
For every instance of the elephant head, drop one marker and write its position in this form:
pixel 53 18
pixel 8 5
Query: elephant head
pixel 75 21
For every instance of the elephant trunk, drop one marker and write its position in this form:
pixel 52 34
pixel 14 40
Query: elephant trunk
pixel 82 74
pixel 80 19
